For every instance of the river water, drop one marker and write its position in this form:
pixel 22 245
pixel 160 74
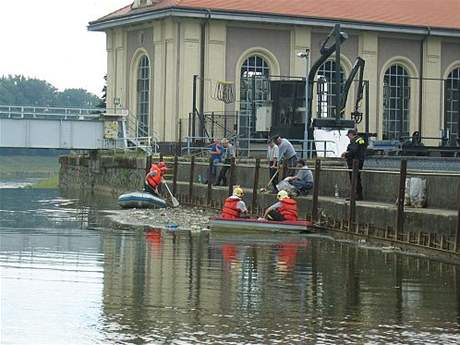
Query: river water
pixel 73 271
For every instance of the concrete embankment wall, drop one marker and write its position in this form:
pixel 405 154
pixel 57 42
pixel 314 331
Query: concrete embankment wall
pixel 379 187
pixel 376 217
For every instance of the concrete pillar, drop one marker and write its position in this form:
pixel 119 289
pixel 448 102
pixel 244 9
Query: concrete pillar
pixel 300 40
pixel 214 63
pixel 120 83
pixel 110 69
pixel 190 65
pixel 368 47
pixel 432 118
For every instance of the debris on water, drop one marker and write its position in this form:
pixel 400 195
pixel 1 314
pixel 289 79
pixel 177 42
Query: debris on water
pixel 192 218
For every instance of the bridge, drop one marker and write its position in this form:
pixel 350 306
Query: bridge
pixel 71 128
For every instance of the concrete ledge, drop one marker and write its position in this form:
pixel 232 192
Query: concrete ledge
pixel 368 213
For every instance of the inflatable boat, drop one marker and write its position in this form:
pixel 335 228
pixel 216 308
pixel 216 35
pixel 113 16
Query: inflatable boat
pixel 140 200
pixel 248 224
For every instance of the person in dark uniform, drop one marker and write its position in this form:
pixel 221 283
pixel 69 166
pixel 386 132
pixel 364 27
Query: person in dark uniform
pixel 355 150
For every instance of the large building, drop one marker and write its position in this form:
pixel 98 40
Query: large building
pixel 155 48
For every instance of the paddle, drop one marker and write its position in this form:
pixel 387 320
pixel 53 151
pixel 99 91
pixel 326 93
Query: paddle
pixel 174 201
pixel 270 181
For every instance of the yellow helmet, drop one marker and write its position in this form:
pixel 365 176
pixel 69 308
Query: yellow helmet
pixel 282 194
pixel 238 191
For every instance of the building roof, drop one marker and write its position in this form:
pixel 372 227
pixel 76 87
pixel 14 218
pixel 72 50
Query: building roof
pixel 434 14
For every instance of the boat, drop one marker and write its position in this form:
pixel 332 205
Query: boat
pixel 250 224
pixel 140 200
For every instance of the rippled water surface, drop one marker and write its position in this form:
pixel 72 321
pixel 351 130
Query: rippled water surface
pixel 76 272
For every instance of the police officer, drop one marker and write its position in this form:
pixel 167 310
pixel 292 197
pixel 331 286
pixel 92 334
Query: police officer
pixel 355 150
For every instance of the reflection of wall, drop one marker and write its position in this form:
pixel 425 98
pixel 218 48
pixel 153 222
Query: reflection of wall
pixel 186 284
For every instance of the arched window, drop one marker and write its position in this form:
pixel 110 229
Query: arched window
pixel 396 98
pixel 254 90
pixel 326 88
pixel 452 104
pixel 143 93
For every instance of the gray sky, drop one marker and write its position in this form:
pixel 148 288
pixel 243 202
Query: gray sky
pixel 48 39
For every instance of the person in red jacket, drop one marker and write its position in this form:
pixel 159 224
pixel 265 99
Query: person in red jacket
pixel 155 177
pixel 284 209
pixel 234 206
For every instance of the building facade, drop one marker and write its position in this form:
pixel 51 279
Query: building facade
pixel 155 48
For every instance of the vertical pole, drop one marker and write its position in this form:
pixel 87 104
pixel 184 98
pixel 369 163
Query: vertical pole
pixel 176 170
pixel 209 191
pixel 284 170
pixel 366 118
pixel 305 151
pixel 354 181
pixel 190 187
pixel 401 195
pixel 256 185
pixel 148 163
pixel 161 156
pixel 338 81
pixel 231 179
pixel 194 105
pixel 457 234
pixel 314 206
pixel 212 125
pixel 179 140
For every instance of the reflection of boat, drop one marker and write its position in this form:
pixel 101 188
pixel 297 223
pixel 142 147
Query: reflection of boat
pixel 242 224
pixel 140 200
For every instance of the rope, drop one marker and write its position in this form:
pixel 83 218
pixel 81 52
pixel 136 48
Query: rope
pixel 225 92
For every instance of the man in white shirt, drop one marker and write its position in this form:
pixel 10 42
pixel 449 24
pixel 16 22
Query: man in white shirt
pixel 273 158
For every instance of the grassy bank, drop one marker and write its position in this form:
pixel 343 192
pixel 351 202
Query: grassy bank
pixel 50 183
pixel 28 166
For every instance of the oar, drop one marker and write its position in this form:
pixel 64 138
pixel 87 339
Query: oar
pixel 174 201
pixel 270 181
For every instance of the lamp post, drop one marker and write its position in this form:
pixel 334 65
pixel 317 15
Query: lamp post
pixel 306 55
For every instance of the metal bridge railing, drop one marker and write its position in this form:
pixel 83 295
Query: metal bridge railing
pixel 53 113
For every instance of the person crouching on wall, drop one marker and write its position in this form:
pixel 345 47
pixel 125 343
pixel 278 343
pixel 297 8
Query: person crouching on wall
pixel 234 206
pixel 155 177
pixel 284 209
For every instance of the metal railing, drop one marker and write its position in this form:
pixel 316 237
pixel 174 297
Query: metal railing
pixel 53 113
pixel 253 146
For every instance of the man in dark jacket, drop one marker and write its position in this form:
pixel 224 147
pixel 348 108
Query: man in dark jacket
pixel 355 150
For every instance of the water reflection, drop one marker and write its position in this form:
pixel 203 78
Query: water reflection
pixel 63 262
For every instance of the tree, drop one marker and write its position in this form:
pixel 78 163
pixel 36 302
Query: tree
pixel 22 91
pixel 78 98
pixel 103 102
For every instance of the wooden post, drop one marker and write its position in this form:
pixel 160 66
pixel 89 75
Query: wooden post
pixel 231 179
pixel 161 156
pixel 209 192
pixel 314 206
pixel 354 182
pixel 457 234
pixel 148 164
pixel 402 191
pixel 190 187
pixel 255 186
pixel 175 172
pixel 284 170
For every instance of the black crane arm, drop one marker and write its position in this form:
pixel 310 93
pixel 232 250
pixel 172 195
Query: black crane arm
pixel 357 67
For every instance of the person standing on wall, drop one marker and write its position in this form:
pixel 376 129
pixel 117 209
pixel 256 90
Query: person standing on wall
pixel 215 155
pixel 355 150
pixel 229 155
pixel 286 153
pixel 273 158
